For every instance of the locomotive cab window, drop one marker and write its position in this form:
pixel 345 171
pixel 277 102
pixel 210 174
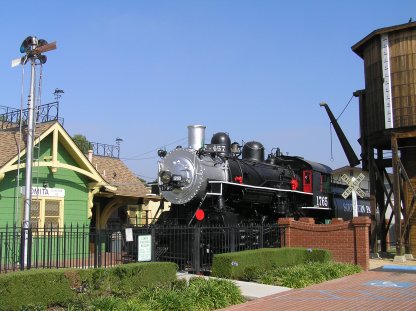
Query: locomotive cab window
pixel 307 181
pixel 325 183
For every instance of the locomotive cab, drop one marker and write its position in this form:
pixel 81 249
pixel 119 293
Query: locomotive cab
pixel 316 179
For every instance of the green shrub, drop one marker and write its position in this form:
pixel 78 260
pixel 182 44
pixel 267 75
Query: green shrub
pixel 38 288
pixel 213 294
pixel 126 279
pixel 200 294
pixel 250 273
pixel 163 298
pixel 248 264
pixel 303 275
pixel 107 303
pixel 41 288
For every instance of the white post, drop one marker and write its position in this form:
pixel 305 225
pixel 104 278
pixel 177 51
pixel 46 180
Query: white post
pixel 354 200
pixel 354 204
pixel 29 160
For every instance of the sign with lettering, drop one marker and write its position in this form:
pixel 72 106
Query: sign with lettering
pixel 354 185
pixel 144 248
pixel 353 189
pixel 129 235
pixel 45 192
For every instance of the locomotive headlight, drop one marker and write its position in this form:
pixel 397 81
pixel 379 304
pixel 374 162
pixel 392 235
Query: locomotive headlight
pixel 165 177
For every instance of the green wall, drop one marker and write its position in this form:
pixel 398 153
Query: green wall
pixel 75 185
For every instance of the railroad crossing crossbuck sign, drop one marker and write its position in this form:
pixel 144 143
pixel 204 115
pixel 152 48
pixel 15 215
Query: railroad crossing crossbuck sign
pixel 353 184
pixel 354 189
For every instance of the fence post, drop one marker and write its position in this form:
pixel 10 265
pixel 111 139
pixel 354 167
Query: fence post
pixel 232 237
pixel 196 256
pixel 22 245
pixel 97 254
pixel 153 237
pixel 29 247
pixel 261 231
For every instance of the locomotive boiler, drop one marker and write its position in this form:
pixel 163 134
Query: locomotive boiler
pixel 225 183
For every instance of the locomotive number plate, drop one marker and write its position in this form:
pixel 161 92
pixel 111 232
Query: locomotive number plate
pixel 322 201
pixel 176 177
pixel 165 188
pixel 215 148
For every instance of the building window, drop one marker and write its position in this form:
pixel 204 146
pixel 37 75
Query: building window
pixel 45 212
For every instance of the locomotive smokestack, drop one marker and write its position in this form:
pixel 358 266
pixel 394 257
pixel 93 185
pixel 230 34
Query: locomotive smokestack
pixel 196 136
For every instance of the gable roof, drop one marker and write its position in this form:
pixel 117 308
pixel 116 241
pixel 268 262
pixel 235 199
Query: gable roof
pixel 10 139
pixel 111 173
pixel 117 174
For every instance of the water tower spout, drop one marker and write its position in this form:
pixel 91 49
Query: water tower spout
pixel 349 152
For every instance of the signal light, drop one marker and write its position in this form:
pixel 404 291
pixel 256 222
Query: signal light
pixel 199 214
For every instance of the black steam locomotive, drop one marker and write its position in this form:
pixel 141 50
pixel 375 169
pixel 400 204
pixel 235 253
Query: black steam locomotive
pixel 222 183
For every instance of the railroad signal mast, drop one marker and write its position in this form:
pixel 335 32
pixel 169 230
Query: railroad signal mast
pixel 33 48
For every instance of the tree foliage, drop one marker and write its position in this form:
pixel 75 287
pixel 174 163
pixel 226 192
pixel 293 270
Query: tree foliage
pixel 82 143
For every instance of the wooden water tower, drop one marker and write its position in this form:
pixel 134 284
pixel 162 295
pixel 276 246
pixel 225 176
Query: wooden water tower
pixel 388 131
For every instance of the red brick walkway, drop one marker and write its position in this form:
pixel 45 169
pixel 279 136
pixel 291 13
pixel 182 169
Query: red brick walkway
pixel 371 290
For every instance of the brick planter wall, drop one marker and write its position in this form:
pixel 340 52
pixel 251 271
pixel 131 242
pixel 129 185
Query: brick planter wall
pixel 348 241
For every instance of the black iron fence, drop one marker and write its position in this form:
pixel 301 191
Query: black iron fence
pixel 192 248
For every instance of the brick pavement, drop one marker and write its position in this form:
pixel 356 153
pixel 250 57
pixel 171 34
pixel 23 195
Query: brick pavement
pixel 370 290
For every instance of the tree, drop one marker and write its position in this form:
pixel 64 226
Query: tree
pixel 82 143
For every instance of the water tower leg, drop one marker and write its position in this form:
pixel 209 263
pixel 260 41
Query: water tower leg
pixel 397 201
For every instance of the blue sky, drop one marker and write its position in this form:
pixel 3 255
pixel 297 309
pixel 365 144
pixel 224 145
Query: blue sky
pixel 145 70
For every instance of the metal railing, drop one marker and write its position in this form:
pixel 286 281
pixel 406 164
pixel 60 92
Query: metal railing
pixel 80 246
pixel 99 149
pixel 11 117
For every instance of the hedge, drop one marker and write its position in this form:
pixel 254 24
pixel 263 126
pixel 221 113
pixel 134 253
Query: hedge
pixel 59 287
pixel 239 265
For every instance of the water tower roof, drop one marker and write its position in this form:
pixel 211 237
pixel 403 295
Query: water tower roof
pixel 358 48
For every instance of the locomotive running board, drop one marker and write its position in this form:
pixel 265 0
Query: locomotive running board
pixel 316 207
pixel 249 186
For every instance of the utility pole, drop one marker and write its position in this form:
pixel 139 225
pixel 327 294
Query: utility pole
pixel 33 48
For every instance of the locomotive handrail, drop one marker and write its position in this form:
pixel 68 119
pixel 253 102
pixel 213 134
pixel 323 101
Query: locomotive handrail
pixel 257 187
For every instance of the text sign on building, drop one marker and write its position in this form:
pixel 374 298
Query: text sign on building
pixel 144 249
pixel 45 192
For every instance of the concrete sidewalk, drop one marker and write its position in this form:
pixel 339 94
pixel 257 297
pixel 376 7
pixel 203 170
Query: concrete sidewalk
pixel 250 290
